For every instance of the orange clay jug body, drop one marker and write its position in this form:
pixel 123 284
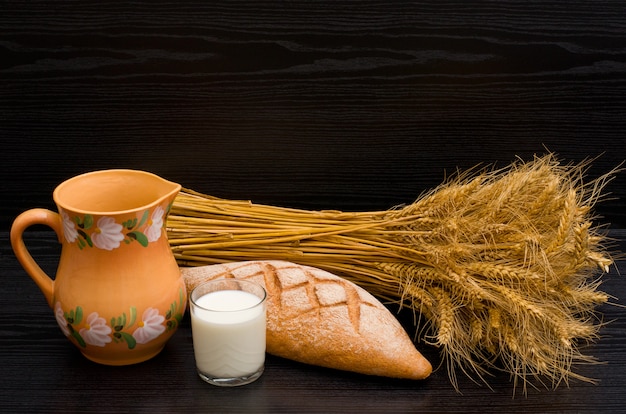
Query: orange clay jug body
pixel 118 294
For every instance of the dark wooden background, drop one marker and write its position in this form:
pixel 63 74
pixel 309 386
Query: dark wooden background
pixel 323 104
pixel 351 105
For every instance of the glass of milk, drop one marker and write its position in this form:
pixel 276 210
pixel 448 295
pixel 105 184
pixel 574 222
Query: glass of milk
pixel 228 329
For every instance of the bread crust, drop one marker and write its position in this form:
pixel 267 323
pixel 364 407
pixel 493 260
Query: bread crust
pixel 318 318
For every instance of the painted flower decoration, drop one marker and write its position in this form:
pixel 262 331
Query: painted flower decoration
pixel 108 234
pixel 69 228
pixel 96 331
pixel 150 326
pixel 58 314
pixel 153 231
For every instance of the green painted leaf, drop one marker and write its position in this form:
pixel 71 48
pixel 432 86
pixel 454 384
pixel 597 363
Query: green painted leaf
pixel 70 316
pixel 79 315
pixel 144 218
pixel 79 339
pixel 120 322
pixel 133 316
pixel 140 237
pixel 129 340
pixel 130 223
pixel 88 221
pixel 86 240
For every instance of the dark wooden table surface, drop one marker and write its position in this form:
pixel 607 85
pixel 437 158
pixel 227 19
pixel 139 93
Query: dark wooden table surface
pixel 350 105
pixel 43 372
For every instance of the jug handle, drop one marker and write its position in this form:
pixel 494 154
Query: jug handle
pixel 20 224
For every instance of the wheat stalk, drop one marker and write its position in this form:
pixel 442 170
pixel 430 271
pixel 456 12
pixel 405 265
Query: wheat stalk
pixel 501 265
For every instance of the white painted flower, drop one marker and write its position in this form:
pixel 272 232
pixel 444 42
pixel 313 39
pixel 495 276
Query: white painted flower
pixel 60 317
pixel 153 232
pixel 69 228
pixel 96 331
pixel 108 234
pixel 150 326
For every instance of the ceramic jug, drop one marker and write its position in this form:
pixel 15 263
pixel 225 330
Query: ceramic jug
pixel 118 293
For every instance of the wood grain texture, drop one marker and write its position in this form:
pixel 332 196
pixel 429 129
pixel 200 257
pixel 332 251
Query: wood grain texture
pixel 347 105
pixel 43 371
pixel 351 105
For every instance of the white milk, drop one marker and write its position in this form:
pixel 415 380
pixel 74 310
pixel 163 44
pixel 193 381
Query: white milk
pixel 229 341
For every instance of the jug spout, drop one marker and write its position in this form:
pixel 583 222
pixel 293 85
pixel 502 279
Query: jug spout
pixel 114 192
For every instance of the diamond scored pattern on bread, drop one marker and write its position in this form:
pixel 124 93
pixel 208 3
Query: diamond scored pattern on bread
pixel 318 318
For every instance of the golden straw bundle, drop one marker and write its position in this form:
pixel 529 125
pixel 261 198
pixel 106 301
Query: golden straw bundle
pixel 500 264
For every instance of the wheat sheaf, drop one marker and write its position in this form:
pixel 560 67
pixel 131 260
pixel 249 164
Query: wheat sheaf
pixel 502 265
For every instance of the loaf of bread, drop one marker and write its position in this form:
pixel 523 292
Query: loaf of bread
pixel 318 318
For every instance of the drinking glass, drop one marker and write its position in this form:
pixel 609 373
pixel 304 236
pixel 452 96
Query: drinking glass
pixel 228 318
